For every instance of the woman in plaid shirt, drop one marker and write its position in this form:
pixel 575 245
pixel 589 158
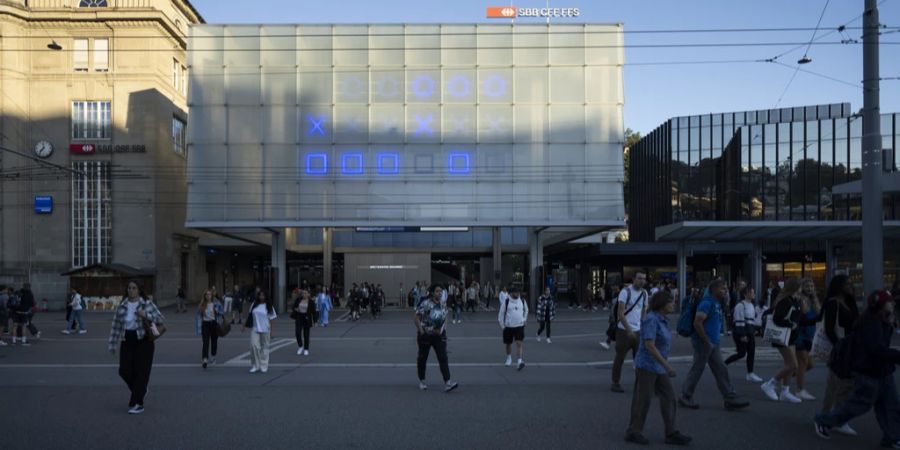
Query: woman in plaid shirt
pixel 136 348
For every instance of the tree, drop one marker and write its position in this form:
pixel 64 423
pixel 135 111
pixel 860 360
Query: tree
pixel 631 138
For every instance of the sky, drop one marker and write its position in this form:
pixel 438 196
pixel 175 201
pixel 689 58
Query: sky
pixel 655 92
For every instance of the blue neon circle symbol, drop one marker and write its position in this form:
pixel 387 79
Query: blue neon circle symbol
pixel 459 86
pixel 422 86
pixel 493 86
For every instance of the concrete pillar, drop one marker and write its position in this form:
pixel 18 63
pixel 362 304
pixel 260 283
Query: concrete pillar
pixel 327 255
pixel 498 257
pixel 681 257
pixel 536 261
pixel 756 268
pixel 279 266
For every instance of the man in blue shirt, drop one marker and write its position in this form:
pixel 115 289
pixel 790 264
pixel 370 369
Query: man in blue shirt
pixel 705 340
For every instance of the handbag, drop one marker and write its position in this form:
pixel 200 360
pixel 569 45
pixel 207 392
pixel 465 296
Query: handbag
pixel 821 345
pixel 223 327
pixel 148 330
pixel 776 335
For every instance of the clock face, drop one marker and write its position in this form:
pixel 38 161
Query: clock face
pixel 43 149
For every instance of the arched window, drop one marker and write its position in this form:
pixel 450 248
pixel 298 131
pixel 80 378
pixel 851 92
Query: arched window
pixel 92 4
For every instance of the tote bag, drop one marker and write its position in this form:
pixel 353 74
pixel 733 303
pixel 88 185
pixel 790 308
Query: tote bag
pixel 776 335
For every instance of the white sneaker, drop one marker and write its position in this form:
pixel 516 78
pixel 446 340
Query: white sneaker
pixel 539 338
pixel 82 331
pixel 754 378
pixel 508 361
pixel 136 409
pixel 66 332
pixel 3 344
pixel 549 341
pixel 605 345
pixel 805 395
pixel 300 351
pixel 423 386
pixel 846 430
pixel 769 389
pixel 264 370
pixel 254 370
pixel 305 352
pixel 787 396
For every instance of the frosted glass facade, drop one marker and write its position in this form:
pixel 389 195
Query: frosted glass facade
pixel 354 125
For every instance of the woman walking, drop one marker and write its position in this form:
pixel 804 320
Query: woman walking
pixel 323 306
pixel 806 332
pixel 654 372
pixel 786 314
pixel 303 313
pixel 746 322
pixel 546 313
pixel 75 316
pixel 208 314
pixel 134 326
pixel 259 321
pixel 840 314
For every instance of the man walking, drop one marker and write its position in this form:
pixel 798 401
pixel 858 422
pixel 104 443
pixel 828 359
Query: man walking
pixel 629 311
pixel 512 317
pixel 705 341
pixel 431 324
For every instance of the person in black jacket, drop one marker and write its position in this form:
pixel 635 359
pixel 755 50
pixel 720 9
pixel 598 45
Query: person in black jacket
pixel 840 315
pixel 873 363
pixel 303 312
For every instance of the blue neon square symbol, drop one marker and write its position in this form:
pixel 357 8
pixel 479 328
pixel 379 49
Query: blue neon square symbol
pixel 458 163
pixel 316 164
pixel 352 163
pixel 388 163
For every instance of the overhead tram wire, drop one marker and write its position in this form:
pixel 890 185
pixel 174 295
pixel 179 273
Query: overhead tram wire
pixel 805 57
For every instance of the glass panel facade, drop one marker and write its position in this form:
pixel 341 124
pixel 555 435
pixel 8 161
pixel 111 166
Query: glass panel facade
pixel 91 213
pixel 445 124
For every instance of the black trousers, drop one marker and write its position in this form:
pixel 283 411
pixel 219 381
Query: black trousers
pixel 135 362
pixel 439 343
pixel 210 335
pixel 747 349
pixel 470 305
pixel 541 326
pixel 301 331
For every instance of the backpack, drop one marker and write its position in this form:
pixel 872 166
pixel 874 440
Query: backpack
pixel 686 320
pixel 614 314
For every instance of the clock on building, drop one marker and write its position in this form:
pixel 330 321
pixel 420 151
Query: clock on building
pixel 43 149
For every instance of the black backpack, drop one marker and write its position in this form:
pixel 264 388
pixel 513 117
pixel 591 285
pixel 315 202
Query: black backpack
pixel 614 314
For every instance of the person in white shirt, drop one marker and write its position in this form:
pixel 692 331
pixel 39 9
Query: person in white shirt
pixel 77 311
pixel 630 308
pixel 512 317
pixel 746 322
pixel 262 313
pixel 503 295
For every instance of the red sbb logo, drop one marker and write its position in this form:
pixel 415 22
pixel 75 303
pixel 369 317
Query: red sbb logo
pixel 501 12
pixel 82 149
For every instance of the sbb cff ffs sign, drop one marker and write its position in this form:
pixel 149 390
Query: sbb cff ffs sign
pixel 82 149
pixel 509 12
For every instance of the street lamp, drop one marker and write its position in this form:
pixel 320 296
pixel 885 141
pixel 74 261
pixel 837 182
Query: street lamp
pixel 54 46
pixel 804 60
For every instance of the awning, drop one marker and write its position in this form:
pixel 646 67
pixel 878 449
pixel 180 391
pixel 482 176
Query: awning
pixel 769 230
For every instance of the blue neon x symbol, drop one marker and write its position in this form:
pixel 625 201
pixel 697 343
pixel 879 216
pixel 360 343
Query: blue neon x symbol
pixel 424 124
pixel 316 124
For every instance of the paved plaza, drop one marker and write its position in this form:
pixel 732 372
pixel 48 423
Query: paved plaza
pixel 358 389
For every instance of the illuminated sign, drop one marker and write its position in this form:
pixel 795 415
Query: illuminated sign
pixel 509 12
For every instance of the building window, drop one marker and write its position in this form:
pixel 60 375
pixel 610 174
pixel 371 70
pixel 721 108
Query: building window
pixel 101 55
pixel 91 213
pixel 175 74
pixel 179 136
pixel 184 81
pixel 91 120
pixel 80 55
pixel 92 4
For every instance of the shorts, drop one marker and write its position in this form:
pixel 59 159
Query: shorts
pixel 511 334
pixel 20 318
pixel 803 345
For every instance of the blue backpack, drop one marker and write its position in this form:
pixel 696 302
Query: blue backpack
pixel 686 320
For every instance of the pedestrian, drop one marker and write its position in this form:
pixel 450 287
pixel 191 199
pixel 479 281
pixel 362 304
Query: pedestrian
pixel 303 312
pixel 431 323
pixel 21 309
pixel 628 312
pixel 654 373
pixel 471 295
pixel 228 304
pixel 238 304
pixel 809 308
pixel 705 341
pixel 259 321
pixel 786 314
pixel 746 322
pixel 354 301
pixel 4 313
pixel 135 326
pixel 209 312
pixel 179 301
pixel 872 362
pixel 323 306
pixel 455 302
pixel 840 314
pixel 77 309
pixel 512 316
pixel 546 313
pixel 503 295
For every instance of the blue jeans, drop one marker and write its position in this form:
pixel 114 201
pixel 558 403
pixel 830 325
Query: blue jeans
pixel 868 392
pixel 456 310
pixel 76 316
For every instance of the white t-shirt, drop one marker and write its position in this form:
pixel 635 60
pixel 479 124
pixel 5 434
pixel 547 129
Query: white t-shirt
pixel 76 302
pixel 634 317
pixel 131 318
pixel 516 316
pixel 503 296
pixel 261 318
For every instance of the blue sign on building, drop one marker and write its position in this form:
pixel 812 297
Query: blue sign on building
pixel 43 204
